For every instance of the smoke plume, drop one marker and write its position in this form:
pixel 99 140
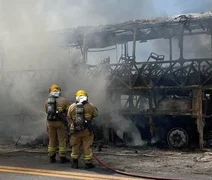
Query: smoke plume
pixel 32 57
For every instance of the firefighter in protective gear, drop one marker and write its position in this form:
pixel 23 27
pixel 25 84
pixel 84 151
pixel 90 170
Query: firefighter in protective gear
pixel 56 108
pixel 80 115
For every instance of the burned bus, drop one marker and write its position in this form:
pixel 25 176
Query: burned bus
pixel 166 96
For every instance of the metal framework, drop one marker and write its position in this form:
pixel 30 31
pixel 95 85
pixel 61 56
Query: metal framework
pixel 131 79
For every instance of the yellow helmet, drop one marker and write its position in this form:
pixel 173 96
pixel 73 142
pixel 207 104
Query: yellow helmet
pixel 54 87
pixel 81 93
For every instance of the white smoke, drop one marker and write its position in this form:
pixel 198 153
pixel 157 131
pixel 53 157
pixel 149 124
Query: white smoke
pixel 123 125
pixel 33 58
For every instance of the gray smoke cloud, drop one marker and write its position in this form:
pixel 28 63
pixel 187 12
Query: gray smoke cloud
pixel 32 59
pixel 94 12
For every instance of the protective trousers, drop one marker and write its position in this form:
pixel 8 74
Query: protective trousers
pixel 84 138
pixel 57 134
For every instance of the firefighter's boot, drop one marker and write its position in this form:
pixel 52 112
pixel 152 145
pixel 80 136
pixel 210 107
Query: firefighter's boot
pixel 89 166
pixel 75 164
pixel 64 160
pixel 53 158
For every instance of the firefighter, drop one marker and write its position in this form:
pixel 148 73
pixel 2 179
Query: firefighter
pixel 56 108
pixel 80 115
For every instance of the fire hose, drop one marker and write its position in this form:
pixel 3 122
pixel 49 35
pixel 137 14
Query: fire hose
pixel 128 174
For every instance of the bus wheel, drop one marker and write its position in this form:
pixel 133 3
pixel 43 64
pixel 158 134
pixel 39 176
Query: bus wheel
pixel 177 138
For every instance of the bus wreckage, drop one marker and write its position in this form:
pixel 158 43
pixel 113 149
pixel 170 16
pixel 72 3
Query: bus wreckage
pixel 178 90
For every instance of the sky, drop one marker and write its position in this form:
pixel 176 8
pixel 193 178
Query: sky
pixel 59 14
pixel 110 11
pixel 173 7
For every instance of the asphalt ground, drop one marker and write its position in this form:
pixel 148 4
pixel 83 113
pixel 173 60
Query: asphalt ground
pixel 184 165
pixel 35 166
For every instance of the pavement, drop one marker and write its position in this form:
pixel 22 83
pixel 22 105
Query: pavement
pixel 11 176
pixel 10 172
pixel 33 164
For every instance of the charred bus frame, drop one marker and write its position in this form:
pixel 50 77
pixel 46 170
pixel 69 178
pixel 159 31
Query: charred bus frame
pixel 131 78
